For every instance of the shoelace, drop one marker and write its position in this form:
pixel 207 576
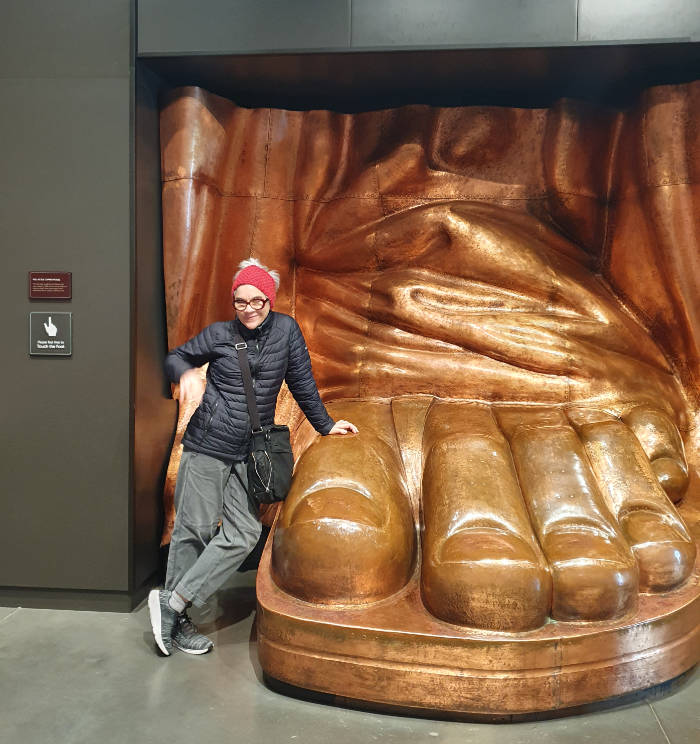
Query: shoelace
pixel 186 624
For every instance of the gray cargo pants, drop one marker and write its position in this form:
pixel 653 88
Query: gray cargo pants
pixel 203 554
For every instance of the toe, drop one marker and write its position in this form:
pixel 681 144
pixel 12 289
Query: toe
pixel 346 533
pixel 594 575
pixel 339 547
pixel 488 578
pixel 482 565
pixel 665 555
pixel 672 476
pixel 662 444
pixel 650 523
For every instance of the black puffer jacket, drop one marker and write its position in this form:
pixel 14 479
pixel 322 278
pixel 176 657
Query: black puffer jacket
pixel 220 426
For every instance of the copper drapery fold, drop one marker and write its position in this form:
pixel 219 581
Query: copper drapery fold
pixel 290 186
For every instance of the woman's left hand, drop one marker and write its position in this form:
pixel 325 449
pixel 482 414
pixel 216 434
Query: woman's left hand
pixel 343 427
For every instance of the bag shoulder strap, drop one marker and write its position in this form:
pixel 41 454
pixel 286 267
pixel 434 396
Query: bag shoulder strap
pixel 241 348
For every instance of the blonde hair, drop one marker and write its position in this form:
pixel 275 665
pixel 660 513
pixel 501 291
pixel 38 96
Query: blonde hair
pixel 254 262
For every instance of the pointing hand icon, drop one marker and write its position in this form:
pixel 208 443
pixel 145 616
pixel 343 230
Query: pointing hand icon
pixel 50 328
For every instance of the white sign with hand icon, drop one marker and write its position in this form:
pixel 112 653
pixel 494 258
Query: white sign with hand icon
pixel 51 329
pixel 50 334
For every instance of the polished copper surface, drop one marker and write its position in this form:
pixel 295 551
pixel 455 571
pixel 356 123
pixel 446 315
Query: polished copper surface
pixel 505 302
pixel 346 533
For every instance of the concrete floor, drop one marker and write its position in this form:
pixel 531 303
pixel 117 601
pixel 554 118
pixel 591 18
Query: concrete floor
pixel 94 677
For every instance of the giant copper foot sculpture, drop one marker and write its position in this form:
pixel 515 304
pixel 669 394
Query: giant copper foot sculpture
pixel 501 537
pixel 448 527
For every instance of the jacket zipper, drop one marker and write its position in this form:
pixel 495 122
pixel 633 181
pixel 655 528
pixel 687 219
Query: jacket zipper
pixel 254 368
pixel 211 418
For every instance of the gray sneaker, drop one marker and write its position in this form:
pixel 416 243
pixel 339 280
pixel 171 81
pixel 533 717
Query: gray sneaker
pixel 188 639
pixel 163 619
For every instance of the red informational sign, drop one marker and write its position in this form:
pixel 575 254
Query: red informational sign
pixel 50 285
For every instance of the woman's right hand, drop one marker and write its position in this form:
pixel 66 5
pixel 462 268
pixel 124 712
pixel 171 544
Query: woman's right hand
pixel 191 387
pixel 343 427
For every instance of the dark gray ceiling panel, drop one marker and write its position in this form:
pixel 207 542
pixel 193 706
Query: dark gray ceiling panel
pixel 230 26
pixel 407 23
pixel 613 74
pixel 623 20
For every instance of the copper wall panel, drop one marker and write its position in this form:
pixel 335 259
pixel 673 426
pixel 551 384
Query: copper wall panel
pixel 654 235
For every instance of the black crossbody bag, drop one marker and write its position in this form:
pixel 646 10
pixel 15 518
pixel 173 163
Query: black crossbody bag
pixel 270 462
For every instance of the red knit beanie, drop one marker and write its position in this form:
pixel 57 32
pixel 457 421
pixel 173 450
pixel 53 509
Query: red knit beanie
pixel 256 277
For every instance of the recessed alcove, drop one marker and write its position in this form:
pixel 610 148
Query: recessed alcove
pixel 610 76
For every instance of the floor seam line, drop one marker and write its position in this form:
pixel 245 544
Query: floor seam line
pixel 658 720
pixel 7 617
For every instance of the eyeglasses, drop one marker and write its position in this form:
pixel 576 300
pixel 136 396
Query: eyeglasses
pixel 257 303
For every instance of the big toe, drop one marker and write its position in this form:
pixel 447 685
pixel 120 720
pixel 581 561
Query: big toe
pixel 338 546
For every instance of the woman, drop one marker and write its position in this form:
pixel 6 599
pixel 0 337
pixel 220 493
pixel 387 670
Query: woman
pixel 217 524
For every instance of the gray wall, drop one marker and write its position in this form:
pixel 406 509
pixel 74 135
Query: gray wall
pixel 65 205
pixel 259 26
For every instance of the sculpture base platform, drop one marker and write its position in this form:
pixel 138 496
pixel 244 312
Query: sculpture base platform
pixel 394 653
